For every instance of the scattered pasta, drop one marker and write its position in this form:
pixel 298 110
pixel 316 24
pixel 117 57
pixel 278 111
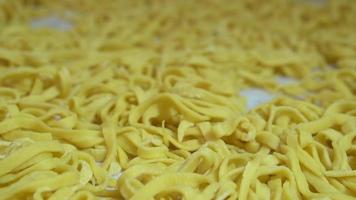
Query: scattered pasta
pixel 141 100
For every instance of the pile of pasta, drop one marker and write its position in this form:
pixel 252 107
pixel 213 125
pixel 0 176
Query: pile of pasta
pixel 141 100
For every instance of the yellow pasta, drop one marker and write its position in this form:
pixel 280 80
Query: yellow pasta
pixel 140 100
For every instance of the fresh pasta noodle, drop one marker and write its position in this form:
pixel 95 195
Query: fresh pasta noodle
pixel 141 100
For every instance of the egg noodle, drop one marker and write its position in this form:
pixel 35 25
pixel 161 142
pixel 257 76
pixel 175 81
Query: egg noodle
pixel 140 100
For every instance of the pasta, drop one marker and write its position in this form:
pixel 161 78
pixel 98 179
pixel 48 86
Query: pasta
pixel 141 100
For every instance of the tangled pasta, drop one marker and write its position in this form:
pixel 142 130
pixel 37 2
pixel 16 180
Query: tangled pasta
pixel 141 100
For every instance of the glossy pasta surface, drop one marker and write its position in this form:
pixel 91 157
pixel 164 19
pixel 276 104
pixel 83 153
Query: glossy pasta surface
pixel 138 99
